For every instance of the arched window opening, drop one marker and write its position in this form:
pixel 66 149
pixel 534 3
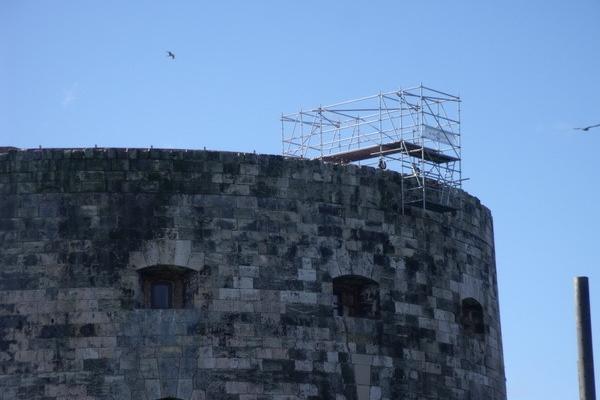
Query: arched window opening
pixel 472 316
pixel 356 296
pixel 164 287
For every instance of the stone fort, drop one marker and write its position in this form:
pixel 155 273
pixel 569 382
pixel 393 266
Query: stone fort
pixel 184 274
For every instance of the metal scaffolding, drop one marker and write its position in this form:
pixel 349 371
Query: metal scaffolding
pixel 414 131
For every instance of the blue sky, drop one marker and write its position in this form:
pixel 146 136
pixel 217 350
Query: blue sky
pixel 81 73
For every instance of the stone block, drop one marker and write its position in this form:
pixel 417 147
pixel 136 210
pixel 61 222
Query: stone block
pixel 362 374
pixel 152 387
pixel 363 392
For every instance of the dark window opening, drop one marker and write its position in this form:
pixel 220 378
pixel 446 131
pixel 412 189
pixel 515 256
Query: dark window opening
pixel 356 296
pixel 164 287
pixel 471 317
pixel 161 294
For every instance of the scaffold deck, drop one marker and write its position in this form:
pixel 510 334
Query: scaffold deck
pixel 401 146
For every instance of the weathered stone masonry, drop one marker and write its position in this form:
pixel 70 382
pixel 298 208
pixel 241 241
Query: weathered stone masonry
pixel 262 239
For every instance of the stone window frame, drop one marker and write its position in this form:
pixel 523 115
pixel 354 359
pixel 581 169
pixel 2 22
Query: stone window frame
pixel 356 296
pixel 472 316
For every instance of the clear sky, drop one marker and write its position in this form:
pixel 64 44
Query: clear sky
pixel 81 73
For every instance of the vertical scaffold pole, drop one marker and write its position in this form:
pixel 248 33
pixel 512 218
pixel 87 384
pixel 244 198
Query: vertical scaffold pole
pixel 380 128
pixel 321 130
pixel 422 144
pixel 585 362
pixel 282 137
pixel 302 149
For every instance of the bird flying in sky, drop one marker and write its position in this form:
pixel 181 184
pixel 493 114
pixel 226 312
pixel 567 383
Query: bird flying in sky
pixel 587 128
pixel 170 54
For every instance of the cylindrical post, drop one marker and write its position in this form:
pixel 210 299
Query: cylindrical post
pixel 585 363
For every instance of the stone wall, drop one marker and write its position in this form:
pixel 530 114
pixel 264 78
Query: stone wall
pixel 263 237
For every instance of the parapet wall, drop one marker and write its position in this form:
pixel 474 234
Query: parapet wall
pixel 263 238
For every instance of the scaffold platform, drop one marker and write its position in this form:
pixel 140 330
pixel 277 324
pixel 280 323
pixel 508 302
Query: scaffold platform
pixel 388 149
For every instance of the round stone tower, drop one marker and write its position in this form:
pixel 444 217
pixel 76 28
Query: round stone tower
pixel 150 274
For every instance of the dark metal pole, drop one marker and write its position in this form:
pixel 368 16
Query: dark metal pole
pixel 585 363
